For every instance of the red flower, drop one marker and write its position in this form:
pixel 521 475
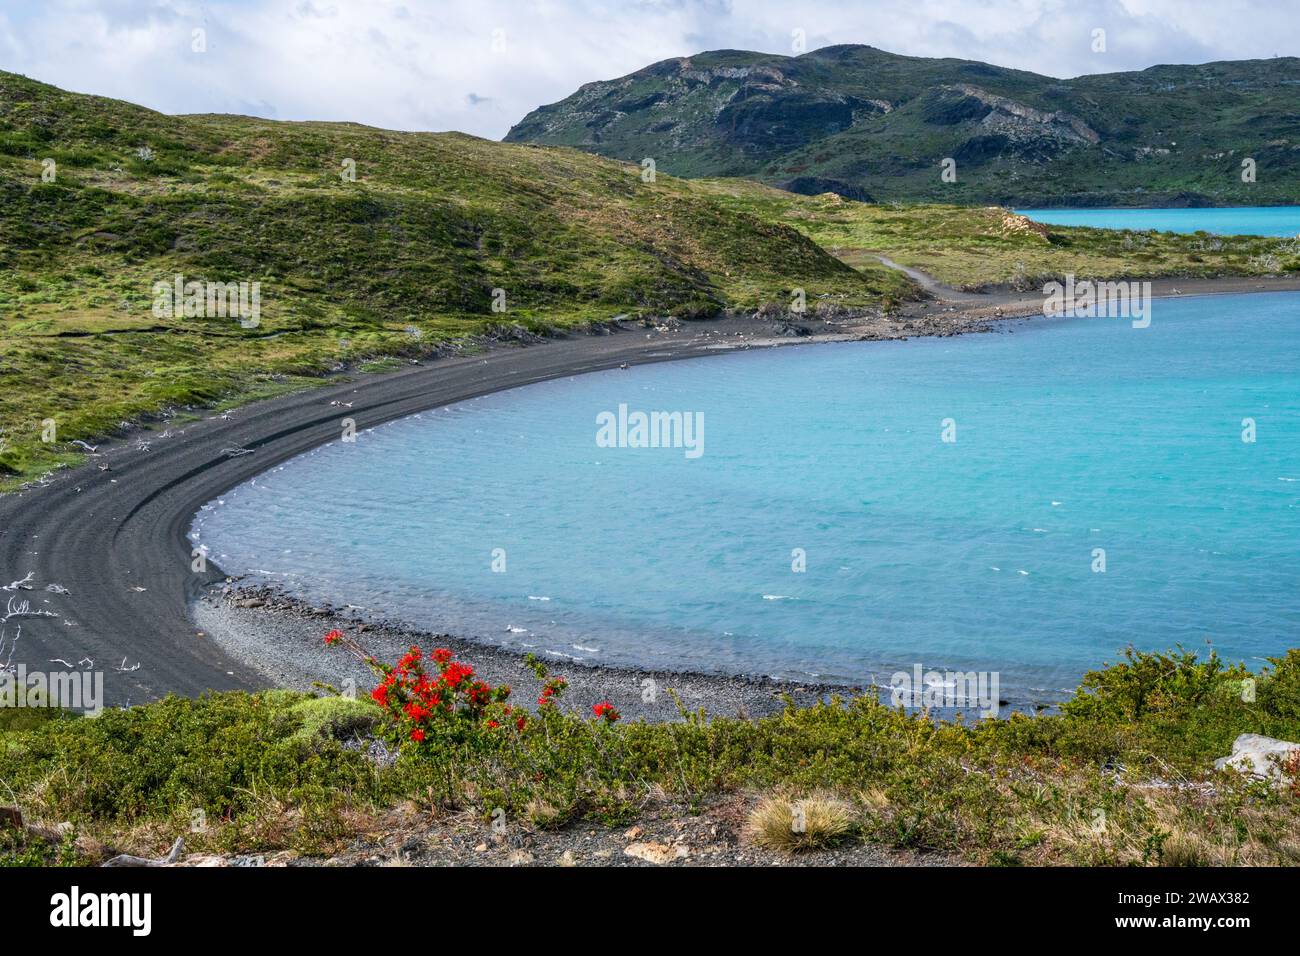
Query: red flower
pixel 606 711
pixel 413 699
pixel 457 673
pixel 333 637
pixel 416 712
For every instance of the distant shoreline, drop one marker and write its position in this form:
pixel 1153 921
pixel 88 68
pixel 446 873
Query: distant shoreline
pixel 110 535
pixel 1018 207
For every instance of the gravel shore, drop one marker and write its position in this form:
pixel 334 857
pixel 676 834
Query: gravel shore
pixel 283 639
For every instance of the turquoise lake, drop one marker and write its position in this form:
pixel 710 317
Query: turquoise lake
pixel 1072 435
pixel 1233 221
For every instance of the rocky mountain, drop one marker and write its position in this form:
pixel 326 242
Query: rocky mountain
pixel 868 124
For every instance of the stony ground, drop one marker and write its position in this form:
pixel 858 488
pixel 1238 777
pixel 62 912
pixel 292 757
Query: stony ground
pixel 667 835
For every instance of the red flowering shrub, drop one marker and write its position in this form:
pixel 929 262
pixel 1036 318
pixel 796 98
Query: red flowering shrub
pixel 420 700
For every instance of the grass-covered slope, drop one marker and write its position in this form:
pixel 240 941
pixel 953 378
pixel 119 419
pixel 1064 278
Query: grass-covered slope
pixel 871 124
pixel 412 252
pixel 408 254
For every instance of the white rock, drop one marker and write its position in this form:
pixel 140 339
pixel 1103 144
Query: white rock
pixel 1258 756
pixel 657 853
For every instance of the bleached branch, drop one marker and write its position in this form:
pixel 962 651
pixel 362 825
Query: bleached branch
pixel 8 663
pixel 126 859
pixel 15 608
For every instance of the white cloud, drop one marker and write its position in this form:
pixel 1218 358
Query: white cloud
pixel 431 64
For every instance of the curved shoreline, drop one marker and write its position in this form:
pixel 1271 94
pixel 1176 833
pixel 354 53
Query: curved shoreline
pixel 100 552
pixel 105 543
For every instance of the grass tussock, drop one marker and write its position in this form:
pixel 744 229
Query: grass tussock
pixel 788 824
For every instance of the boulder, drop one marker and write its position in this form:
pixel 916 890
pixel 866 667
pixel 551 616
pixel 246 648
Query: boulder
pixel 1259 756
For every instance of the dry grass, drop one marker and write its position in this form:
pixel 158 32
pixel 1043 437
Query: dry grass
pixel 788 825
pixel 543 814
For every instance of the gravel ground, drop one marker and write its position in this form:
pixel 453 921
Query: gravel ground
pixel 666 835
pixel 282 638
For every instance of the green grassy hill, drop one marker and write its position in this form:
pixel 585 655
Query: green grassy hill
pixel 871 124
pixel 409 254
pixel 405 256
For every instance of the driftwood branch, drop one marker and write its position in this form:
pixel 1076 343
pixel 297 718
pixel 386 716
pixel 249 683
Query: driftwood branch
pixel 15 608
pixel 24 585
pixel 7 664
pixel 126 859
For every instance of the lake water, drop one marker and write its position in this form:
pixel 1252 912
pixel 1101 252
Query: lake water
pixel 1073 436
pixel 1235 221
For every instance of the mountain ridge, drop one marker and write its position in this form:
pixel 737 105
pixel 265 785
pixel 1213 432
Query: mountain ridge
pixel 869 124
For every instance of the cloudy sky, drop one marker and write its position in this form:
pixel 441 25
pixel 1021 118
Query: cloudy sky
pixel 480 65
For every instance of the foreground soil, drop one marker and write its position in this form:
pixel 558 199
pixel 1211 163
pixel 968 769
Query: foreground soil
pixel 666 836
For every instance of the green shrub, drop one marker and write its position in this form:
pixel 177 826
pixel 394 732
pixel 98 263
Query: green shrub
pixel 270 770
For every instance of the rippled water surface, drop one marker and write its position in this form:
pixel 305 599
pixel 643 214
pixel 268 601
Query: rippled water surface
pixel 1072 436
pixel 1233 221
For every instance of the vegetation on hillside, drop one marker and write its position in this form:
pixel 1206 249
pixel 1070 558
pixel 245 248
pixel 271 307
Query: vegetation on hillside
pixel 1122 775
pixel 874 125
pixel 100 200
